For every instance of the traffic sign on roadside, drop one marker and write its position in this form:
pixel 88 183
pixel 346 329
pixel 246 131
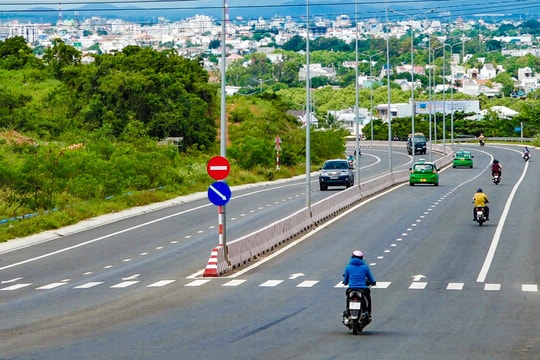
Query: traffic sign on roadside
pixel 218 167
pixel 219 193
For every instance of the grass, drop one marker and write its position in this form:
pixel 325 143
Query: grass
pixel 74 213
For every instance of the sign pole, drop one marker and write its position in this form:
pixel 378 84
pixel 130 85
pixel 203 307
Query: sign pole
pixel 219 194
pixel 277 141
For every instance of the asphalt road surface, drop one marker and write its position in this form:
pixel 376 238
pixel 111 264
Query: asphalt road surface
pixel 447 288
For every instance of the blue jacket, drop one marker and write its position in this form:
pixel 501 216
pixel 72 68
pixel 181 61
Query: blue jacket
pixel 356 274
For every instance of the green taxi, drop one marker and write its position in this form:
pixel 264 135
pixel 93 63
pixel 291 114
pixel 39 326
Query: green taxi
pixel 424 172
pixel 463 158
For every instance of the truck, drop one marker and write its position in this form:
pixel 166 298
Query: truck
pixel 419 143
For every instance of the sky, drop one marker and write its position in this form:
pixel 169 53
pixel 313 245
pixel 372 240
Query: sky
pixel 443 7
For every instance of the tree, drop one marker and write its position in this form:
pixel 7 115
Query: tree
pixel 16 54
pixel 60 56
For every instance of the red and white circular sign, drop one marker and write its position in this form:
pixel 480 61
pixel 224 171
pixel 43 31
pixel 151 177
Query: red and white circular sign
pixel 218 167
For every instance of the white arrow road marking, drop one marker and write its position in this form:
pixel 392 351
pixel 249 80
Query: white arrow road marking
pixel 132 277
pixel 11 281
pixel 418 277
pixel 294 276
pixel 223 197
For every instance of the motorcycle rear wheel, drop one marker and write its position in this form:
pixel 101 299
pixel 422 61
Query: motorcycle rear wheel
pixel 356 327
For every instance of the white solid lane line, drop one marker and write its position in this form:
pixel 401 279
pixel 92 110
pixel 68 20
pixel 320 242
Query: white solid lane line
pixel 493 247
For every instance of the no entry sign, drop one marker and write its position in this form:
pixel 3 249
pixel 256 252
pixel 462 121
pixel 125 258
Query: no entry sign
pixel 218 167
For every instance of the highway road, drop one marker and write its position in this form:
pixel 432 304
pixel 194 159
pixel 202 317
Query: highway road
pixel 447 288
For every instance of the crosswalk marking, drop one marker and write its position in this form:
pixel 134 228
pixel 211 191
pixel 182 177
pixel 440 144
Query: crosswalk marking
pixel 271 283
pixel 124 284
pixel 15 287
pixel 418 285
pixel 89 285
pixel 307 283
pixel 236 282
pixel 161 283
pixel 455 286
pixel 51 286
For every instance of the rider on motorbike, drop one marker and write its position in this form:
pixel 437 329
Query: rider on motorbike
pixel 496 168
pixel 481 138
pixel 480 200
pixel 358 277
pixel 526 151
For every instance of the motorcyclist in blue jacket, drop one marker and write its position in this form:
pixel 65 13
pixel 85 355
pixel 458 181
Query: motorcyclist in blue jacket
pixel 358 277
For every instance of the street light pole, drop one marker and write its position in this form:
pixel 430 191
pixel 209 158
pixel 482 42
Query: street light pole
pixel 452 80
pixel 389 114
pixel 308 114
pixel 357 126
pixel 413 105
pixel 371 91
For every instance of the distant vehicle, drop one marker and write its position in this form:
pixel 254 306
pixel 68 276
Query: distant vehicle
pixel 419 143
pixel 424 172
pixel 463 158
pixel 336 172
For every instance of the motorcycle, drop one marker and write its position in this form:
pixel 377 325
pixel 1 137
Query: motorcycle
pixel 482 142
pixel 357 317
pixel 526 156
pixel 496 178
pixel 480 215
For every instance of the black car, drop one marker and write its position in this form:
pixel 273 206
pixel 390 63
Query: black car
pixel 419 144
pixel 336 172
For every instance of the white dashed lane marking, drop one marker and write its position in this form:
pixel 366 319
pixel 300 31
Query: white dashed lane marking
pixel 271 283
pixel 234 283
pixel 124 284
pixel 419 285
pixel 15 287
pixel 51 286
pixel 89 285
pixel 307 283
pixel 455 286
pixel 161 283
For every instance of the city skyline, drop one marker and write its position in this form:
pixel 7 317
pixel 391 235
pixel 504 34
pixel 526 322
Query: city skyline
pixel 269 8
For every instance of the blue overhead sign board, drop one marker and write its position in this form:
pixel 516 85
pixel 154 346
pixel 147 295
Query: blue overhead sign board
pixel 219 193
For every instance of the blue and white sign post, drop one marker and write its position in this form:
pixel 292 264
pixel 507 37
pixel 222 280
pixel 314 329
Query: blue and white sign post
pixel 219 192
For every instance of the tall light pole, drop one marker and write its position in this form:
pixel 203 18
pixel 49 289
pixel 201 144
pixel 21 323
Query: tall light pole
pixel 413 105
pixel 389 113
pixel 357 126
pixel 452 80
pixel 308 114
pixel 370 91
pixel 430 102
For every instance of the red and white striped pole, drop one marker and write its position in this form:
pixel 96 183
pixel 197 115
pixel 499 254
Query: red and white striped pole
pixel 220 224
